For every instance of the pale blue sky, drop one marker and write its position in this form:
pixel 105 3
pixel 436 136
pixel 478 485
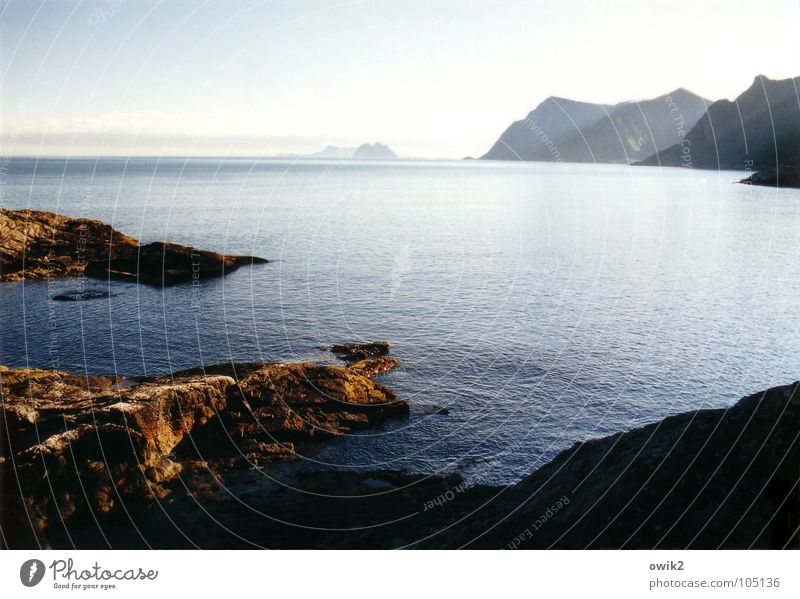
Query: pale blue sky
pixel 428 78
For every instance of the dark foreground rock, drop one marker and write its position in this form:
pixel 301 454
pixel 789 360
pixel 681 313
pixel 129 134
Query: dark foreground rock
pixel 40 245
pixel 702 479
pixel 787 175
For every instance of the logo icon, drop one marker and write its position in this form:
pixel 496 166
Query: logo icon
pixel 31 572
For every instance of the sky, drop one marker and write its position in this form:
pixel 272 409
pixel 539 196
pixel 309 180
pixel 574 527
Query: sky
pixel 430 79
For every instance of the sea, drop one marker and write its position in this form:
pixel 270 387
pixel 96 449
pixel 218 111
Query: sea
pixel 541 304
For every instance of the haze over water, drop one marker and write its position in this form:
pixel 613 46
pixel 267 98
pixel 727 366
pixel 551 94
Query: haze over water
pixel 540 303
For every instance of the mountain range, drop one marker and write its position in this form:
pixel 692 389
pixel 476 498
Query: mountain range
pixel 759 129
pixel 560 130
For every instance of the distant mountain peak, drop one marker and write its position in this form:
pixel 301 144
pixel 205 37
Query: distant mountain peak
pixel 569 101
pixel 375 151
pixel 563 99
pixel 762 81
pixel 758 82
pixel 682 91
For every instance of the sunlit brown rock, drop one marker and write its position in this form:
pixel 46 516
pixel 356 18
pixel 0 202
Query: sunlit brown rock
pixel 81 446
pixel 38 245
pixel 374 366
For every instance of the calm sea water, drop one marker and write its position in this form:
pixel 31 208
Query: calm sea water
pixel 541 303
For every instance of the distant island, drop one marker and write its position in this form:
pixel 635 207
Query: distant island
pixel 366 151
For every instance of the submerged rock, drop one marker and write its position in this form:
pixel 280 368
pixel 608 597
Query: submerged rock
pixel 39 245
pixel 352 352
pixel 80 296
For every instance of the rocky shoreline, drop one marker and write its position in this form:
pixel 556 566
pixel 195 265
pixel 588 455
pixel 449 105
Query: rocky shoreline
pixel 201 457
pixel 77 448
pixel 35 244
pixel 194 459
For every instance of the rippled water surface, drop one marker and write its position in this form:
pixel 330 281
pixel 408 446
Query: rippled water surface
pixel 541 303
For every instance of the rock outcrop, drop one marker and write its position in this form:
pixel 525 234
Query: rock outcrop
pixel 371 367
pixel 82 448
pixel 787 175
pixel 352 352
pixel 40 245
pixel 296 404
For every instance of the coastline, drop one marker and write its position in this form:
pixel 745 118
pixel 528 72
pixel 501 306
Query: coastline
pixel 704 479
pixel 202 457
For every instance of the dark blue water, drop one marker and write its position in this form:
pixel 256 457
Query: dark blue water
pixel 540 303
